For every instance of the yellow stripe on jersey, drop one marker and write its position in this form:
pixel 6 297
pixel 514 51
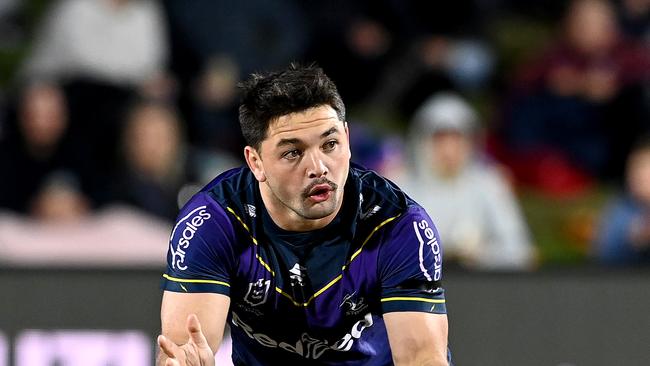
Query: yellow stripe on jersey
pixel 268 268
pixel 243 224
pixel 185 280
pixel 435 301
pixel 370 236
pixel 332 282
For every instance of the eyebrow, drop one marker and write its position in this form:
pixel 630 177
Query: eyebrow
pixel 331 131
pixel 293 141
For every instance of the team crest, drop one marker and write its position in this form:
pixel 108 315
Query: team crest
pixel 353 304
pixel 250 209
pixel 257 292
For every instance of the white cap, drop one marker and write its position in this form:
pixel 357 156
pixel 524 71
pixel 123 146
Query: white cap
pixel 445 112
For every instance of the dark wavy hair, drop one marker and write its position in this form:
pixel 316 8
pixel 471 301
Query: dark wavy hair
pixel 265 97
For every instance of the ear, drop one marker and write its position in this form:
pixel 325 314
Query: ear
pixel 254 162
pixel 347 133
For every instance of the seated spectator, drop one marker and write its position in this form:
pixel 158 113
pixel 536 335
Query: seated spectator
pixel 102 52
pixel 157 163
pixel 468 198
pixel 624 236
pixel 151 173
pixel 120 42
pixel 562 128
pixel 34 152
pixel 59 200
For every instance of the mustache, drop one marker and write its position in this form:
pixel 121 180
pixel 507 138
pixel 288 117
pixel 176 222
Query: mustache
pixel 317 181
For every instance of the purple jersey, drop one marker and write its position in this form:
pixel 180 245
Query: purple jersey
pixel 315 297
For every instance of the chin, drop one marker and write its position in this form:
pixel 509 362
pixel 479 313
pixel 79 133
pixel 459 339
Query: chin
pixel 319 213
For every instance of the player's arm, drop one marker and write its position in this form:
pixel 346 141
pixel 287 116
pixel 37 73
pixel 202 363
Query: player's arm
pixel 417 338
pixel 192 327
pixel 196 299
pixel 412 298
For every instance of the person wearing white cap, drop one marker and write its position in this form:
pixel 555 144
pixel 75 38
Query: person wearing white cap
pixel 466 194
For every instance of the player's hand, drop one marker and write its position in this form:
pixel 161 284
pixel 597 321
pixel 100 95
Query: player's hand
pixel 195 352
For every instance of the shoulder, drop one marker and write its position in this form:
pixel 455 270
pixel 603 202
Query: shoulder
pixel 206 214
pixel 411 247
pixel 230 185
pixel 377 192
pixel 236 191
pixel 202 217
pixel 414 223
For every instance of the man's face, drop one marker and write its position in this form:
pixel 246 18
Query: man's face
pixel 450 152
pixel 302 166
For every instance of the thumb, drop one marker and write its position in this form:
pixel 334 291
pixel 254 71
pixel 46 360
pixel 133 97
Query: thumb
pixel 194 330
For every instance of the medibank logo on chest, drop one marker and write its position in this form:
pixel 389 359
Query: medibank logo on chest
pixel 432 242
pixel 189 225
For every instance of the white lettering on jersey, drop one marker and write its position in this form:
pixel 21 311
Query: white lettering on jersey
pixel 432 242
pixel 192 221
pixel 307 346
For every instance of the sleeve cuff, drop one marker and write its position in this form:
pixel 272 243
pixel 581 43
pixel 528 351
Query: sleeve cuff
pixel 191 285
pixel 420 304
pixel 414 300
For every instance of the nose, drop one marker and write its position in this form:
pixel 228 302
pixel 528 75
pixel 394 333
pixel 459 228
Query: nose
pixel 317 167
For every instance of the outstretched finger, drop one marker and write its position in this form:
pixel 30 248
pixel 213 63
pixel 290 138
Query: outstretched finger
pixel 169 347
pixel 194 329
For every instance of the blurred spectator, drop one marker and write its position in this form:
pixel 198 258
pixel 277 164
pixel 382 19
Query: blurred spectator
pixel 103 52
pixel 353 41
pixel 118 42
pixel 441 48
pixel 35 158
pixel 59 200
pixel 152 173
pixel 215 43
pixel 467 196
pixel 563 126
pixel 624 236
pixel 157 162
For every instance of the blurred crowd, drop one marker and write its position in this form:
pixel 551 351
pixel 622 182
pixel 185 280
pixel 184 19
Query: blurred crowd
pixel 487 113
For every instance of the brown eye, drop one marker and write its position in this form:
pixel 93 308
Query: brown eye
pixel 292 154
pixel 330 145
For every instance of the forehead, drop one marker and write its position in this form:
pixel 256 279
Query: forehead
pixel 303 124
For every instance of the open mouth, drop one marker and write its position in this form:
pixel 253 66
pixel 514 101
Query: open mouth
pixel 320 192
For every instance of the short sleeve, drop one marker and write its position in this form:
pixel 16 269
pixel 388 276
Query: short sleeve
pixel 410 265
pixel 201 254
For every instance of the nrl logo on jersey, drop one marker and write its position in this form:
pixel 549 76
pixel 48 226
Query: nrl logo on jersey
pixel 257 292
pixel 354 305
